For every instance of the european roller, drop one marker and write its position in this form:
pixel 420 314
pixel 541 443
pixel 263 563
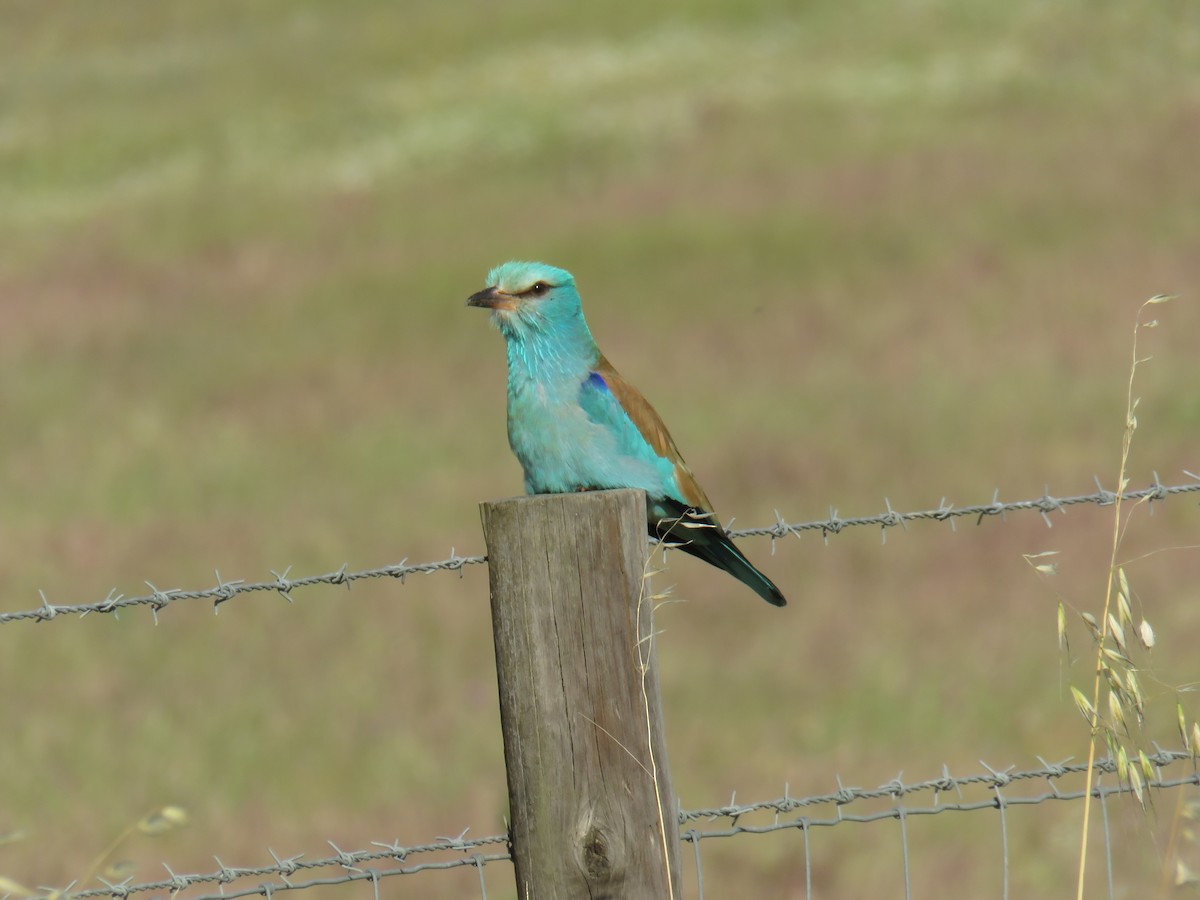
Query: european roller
pixel 576 425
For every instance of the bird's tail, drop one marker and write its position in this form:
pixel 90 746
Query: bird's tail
pixel 699 534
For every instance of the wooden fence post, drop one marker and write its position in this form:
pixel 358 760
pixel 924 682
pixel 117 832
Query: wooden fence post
pixel 591 807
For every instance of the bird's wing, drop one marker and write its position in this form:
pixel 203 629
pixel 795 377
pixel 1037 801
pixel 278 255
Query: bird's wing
pixel 642 415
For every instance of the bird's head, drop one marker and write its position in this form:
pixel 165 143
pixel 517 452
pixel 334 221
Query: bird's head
pixel 531 300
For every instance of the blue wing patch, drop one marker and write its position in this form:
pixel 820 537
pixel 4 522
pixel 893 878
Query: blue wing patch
pixel 595 381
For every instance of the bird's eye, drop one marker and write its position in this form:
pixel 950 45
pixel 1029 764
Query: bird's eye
pixel 539 288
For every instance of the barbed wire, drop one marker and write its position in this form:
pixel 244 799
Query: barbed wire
pixel 948 512
pixel 349 861
pixel 992 780
pixel 231 879
pixel 224 590
pixel 991 787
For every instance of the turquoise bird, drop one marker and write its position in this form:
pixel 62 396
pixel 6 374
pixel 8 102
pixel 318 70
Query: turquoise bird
pixel 576 425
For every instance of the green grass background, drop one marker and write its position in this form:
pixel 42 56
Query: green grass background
pixel 850 251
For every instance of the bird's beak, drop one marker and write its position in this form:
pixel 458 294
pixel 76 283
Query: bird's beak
pixel 493 298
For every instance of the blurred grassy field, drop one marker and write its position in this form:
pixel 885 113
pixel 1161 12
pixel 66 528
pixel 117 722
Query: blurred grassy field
pixel 850 251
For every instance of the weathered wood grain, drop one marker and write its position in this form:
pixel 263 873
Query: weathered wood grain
pixel 589 788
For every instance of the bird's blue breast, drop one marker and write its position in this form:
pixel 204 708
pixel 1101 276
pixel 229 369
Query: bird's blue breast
pixel 569 432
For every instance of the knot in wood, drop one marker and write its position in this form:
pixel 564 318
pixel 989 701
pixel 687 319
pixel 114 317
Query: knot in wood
pixel 597 861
